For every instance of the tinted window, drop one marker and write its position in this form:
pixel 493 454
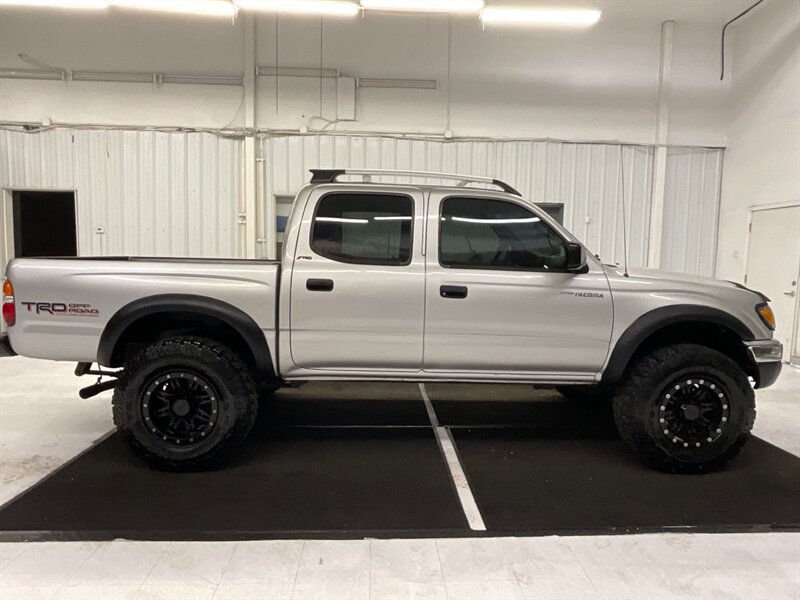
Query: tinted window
pixel 372 229
pixel 492 234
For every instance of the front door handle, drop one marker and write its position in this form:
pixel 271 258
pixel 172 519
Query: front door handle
pixel 453 291
pixel 790 293
pixel 319 285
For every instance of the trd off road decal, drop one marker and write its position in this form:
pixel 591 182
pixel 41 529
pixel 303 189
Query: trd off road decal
pixel 61 308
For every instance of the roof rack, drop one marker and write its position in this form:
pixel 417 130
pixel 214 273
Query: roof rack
pixel 331 175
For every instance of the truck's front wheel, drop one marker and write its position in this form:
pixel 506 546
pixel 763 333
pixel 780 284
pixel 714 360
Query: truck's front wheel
pixel 685 408
pixel 185 403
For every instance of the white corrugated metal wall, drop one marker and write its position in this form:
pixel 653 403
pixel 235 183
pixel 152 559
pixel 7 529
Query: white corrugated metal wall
pixel 691 210
pixel 151 193
pixel 585 177
pixel 161 193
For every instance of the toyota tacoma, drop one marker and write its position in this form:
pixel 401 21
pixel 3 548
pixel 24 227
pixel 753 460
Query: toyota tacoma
pixel 400 282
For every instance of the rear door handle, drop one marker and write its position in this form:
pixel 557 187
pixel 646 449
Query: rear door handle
pixel 319 285
pixel 453 291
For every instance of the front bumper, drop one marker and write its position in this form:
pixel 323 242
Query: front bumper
pixel 5 346
pixel 768 358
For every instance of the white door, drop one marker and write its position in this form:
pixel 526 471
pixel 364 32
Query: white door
pixel 773 265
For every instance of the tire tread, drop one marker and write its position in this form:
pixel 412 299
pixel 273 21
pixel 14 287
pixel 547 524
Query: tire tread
pixel 231 367
pixel 652 370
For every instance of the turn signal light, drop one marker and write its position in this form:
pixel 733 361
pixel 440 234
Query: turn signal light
pixel 9 309
pixel 765 312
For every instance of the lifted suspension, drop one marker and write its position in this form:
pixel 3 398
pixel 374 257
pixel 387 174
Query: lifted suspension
pixel 85 368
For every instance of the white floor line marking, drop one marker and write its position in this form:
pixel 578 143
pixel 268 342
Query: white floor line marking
pixel 448 448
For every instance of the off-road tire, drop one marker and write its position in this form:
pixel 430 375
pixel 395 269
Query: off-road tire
pixel 221 367
pixel 638 399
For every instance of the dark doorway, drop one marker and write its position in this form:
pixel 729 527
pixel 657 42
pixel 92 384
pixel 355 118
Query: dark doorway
pixel 44 224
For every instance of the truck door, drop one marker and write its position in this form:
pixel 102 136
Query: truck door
pixel 499 299
pixel 358 281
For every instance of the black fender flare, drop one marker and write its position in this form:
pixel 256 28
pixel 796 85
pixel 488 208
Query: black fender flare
pixel 235 318
pixel 651 322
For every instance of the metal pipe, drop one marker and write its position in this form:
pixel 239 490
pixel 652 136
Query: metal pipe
pixel 724 28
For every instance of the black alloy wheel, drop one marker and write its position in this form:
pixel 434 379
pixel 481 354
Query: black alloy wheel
pixel 685 408
pixel 185 403
pixel 693 411
pixel 180 407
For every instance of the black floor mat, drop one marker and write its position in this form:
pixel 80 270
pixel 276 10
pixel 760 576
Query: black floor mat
pixel 292 483
pixel 354 460
pixel 327 404
pixel 529 484
pixel 325 460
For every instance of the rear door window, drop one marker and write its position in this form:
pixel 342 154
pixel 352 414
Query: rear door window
pixel 370 229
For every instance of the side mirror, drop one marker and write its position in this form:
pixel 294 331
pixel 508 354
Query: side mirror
pixel 576 261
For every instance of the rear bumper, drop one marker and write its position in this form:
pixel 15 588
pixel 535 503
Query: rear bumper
pixel 768 358
pixel 5 346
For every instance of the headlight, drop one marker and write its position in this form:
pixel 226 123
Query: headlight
pixel 766 314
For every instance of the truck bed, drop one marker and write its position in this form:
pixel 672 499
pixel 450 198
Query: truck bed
pixel 64 304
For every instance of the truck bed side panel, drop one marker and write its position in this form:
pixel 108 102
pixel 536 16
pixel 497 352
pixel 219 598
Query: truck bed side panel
pixel 63 305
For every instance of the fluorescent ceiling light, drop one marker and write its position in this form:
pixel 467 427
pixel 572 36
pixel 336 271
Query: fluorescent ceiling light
pixel 31 74
pixel 79 4
pixel 540 16
pixel 411 84
pixel 111 76
pixel 213 8
pixel 203 79
pixel 446 6
pixel 333 8
pixel 297 72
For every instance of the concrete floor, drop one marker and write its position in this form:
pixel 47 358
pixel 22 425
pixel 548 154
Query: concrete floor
pixel 655 566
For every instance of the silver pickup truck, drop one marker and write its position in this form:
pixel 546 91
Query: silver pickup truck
pixel 400 282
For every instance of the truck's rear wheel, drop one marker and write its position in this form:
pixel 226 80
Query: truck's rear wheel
pixel 685 408
pixel 185 403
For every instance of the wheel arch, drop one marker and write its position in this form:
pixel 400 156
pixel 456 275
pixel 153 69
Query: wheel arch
pixel 155 317
pixel 687 323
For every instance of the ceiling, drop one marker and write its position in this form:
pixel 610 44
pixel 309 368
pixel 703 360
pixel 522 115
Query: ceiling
pixel 649 11
pixel 645 12
pixel 691 11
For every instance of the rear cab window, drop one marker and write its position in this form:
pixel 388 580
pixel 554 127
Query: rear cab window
pixel 369 229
